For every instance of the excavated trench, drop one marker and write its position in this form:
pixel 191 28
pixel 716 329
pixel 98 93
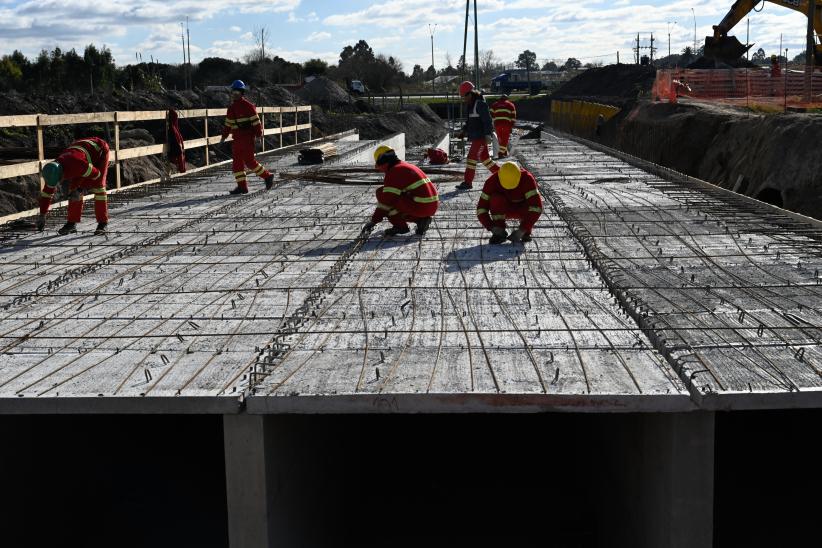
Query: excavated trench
pixel 771 157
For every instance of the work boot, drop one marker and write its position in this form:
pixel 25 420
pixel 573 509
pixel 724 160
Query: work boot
pixel 526 238
pixel 422 225
pixel 68 228
pixel 516 236
pixel 239 190
pixel 41 223
pixel 464 186
pixel 269 182
pixel 101 229
pixel 395 230
pixel 499 235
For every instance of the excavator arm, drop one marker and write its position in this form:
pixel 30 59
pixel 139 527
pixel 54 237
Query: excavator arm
pixel 726 48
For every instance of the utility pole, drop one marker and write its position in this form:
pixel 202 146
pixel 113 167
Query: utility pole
pixel 637 48
pixel 694 14
pixel 434 78
pixel 465 42
pixel 748 41
pixel 669 37
pixel 183 39
pixel 476 46
pixel 188 38
pixel 652 49
pixel 810 51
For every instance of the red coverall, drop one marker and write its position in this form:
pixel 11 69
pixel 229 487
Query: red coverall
pixel 407 194
pixel 436 156
pixel 504 113
pixel 497 204
pixel 244 125
pixel 85 165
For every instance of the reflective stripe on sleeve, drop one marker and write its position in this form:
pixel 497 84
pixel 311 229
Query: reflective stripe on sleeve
pixel 480 211
pixel 531 193
pixel 484 196
pixel 535 209
pixel 391 190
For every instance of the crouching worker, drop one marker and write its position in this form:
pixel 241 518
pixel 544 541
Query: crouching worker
pixel 509 194
pixel 436 156
pixel 84 165
pixel 407 195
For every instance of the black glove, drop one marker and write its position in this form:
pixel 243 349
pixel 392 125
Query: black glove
pixel 369 226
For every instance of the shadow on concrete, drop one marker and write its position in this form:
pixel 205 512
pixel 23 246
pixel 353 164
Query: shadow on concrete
pixel 469 257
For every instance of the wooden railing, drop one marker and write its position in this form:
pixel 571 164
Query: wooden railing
pixel 42 121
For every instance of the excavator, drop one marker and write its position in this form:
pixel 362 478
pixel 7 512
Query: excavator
pixel 726 48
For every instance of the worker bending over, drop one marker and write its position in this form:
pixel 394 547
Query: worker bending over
pixel 509 194
pixel 407 195
pixel 480 131
pixel 244 125
pixel 436 156
pixel 504 114
pixel 84 165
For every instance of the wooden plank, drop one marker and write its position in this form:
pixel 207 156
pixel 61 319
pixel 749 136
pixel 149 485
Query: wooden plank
pixel 304 108
pixel 205 132
pixel 18 170
pixel 82 118
pixel 22 120
pixel 303 126
pixel 193 113
pixel 142 115
pixel 137 152
pixel 40 151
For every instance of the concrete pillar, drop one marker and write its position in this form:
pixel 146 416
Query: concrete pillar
pixel 247 478
pixel 676 503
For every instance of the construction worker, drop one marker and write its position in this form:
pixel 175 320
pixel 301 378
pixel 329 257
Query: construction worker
pixel 244 125
pixel 510 193
pixel 83 165
pixel 436 156
pixel 776 70
pixel 407 195
pixel 504 114
pixel 480 131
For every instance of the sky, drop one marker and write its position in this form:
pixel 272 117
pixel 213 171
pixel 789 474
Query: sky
pixel 302 29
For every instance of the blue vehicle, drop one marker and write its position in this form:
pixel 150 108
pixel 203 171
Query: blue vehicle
pixel 516 80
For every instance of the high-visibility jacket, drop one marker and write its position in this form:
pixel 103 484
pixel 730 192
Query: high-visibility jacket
pixel 504 110
pixel 83 161
pixel 242 120
pixel 526 193
pixel 479 124
pixel 409 181
pixel 436 156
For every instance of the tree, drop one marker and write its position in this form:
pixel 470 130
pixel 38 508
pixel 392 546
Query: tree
pixel 550 66
pixel 488 62
pixel 10 73
pixel 572 63
pixel 759 57
pixel 417 74
pixel 526 60
pixel 261 36
pixel 315 67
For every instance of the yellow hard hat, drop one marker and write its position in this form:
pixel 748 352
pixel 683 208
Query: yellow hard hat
pixel 382 149
pixel 509 175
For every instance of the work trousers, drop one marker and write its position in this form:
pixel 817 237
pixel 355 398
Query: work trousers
pixel 405 209
pixel 503 130
pixel 478 153
pixel 242 152
pixel 500 209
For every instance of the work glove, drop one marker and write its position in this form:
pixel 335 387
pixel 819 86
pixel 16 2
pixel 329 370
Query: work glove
pixel 41 223
pixel 516 236
pixel 369 226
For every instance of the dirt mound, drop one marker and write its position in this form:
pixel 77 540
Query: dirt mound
pixel 768 157
pixel 325 93
pixel 708 63
pixel 613 83
pixel 418 131
pixel 424 112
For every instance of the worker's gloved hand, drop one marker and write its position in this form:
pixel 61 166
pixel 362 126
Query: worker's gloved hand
pixel 460 135
pixel 369 226
pixel 516 236
pixel 498 235
pixel 41 223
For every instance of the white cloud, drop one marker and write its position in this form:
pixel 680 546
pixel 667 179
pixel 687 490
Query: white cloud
pixel 318 36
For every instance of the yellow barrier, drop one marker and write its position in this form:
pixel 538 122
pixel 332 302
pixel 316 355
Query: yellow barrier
pixel 580 117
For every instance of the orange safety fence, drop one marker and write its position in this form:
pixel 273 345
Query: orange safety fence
pixel 746 87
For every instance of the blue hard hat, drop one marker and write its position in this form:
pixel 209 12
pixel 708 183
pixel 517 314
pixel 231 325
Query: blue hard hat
pixel 53 173
pixel 238 85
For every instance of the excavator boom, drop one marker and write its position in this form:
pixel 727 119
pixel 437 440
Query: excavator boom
pixel 726 48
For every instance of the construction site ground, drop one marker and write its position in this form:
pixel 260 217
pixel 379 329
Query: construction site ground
pixel 637 293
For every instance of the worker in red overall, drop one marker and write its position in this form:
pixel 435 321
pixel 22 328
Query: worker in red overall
pixel 244 125
pixel 407 195
pixel 480 131
pixel 509 194
pixel 84 165
pixel 504 114
pixel 436 156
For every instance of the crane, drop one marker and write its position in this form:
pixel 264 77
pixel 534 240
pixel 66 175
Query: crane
pixel 722 47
